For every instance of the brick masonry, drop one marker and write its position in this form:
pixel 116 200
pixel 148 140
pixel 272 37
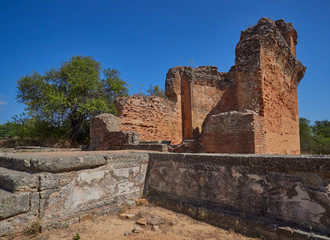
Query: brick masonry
pixel 154 118
pixel 203 101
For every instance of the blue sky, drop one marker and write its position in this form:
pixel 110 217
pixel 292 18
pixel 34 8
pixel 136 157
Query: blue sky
pixel 143 39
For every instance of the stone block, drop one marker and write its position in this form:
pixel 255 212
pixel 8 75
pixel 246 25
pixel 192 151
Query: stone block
pixel 66 163
pixel 16 181
pixel 48 181
pixel 13 204
pixel 233 132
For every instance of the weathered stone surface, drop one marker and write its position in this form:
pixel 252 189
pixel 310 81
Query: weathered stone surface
pixel 67 163
pixel 34 203
pixel 12 204
pixel 49 164
pixel 187 146
pixel 105 134
pixel 105 121
pixel 14 225
pixel 13 161
pixel 246 192
pixel 15 181
pixel 101 189
pixel 49 181
pixel 261 188
pixel 127 158
pixel 148 147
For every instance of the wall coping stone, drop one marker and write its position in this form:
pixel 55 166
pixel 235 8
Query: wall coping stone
pixel 284 163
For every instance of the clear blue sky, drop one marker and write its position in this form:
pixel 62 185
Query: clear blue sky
pixel 143 39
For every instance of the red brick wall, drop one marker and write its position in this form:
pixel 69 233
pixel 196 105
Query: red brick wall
pixel 267 76
pixel 209 95
pixel 261 88
pixel 153 117
pixel 233 132
pixel 193 93
pixel 280 108
pixel 204 90
pixel 186 106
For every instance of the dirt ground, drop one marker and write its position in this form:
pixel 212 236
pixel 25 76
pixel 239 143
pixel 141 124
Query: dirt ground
pixel 161 224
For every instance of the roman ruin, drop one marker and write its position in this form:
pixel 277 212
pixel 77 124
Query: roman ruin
pixel 252 108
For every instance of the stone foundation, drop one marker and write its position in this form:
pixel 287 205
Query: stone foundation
pixel 61 190
pixel 277 197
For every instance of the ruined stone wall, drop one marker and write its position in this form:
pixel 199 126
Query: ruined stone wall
pixel 209 87
pixel 274 196
pixel 233 132
pixel 154 118
pixel 280 81
pixel 266 75
pixel 61 190
pixel 254 194
pixel 201 90
pixel 201 100
pixel 192 94
pixel 106 135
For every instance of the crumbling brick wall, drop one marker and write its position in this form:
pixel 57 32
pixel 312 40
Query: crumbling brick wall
pixel 200 91
pixel 154 118
pixel 263 83
pixel 234 132
pixel 106 135
pixel 266 76
pixel 192 93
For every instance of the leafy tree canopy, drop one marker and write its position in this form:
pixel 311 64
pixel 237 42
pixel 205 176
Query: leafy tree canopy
pixel 67 97
pixel 156 91
pixel 314 139
pixel 6 130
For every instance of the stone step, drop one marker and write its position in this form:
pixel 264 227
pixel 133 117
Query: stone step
pixel 12 204
pixel 16 181
pixel 155 142
pixel 147 147
pixel 50 163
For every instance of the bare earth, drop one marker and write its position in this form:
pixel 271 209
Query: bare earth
pixel 171 226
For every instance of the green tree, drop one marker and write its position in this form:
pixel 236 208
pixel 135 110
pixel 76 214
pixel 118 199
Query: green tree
pixel 321 141
pixel 314 138
pixel 306 137
pixel 6 130
pixel 156 91
pixel 61 101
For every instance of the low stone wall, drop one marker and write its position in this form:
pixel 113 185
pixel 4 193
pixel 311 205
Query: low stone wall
pixel 58 191
pixel 278 197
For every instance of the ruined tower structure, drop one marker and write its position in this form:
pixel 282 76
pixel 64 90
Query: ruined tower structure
pixel 252 108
